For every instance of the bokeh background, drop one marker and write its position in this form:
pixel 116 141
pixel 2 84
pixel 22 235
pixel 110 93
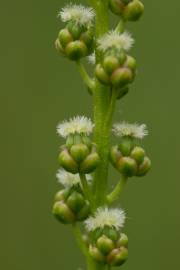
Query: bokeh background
pixel 39 89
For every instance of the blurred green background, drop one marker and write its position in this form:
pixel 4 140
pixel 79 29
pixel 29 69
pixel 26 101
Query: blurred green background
pixel 39 89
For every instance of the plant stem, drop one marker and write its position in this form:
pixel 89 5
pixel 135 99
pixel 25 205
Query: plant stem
pixel 87 80
pixel 79 239
pixel 120 27
pixel 92 265
pixel 86 188
pixel 114 195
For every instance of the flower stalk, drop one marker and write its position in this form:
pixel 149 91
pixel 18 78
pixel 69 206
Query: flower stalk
pixel 84 201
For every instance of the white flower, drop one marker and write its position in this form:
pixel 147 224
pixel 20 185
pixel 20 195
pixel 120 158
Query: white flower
pixel 132 130
pixel 106 217
pixel 68 179
pixel 78 124
pixel 92 58
pixel 78 13
pixel 115 40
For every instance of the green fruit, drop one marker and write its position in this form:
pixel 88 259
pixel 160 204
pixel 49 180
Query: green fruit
pixel 62 195
pixel 125 146
pixel 76 50
pixel 131 63
pixel 115 154
pixel 117 6
pixel 84 212
pixel 127 166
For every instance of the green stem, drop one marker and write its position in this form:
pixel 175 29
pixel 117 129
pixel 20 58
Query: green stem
pixel 92 265
pixel 86 188
pixel 101 174
pixel 79 239
pixel 121 26
pixel 115 194
pixel 87 80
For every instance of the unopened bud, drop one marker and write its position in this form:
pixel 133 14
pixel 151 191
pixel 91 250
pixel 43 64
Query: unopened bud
pixel 131 63
pixel 75 201
pixel 65 37
pixel 138 154
pixel 67 162
pixel 110 63
pixel 115 154
pixel 117 256
pixel 123 240
pixel 84 212
pixel 62 195
pixel 121 77
pixel 102 75
pixel 144 167
pixel 79 152
pixel 125 146
pixel 127 166
pixel 87 38
pixel 117 6
pixel 90 163
pixel 76 50
pixel 133 11
pixel 75 30
pixel 62 212
pixel 96 254
pixel 104 244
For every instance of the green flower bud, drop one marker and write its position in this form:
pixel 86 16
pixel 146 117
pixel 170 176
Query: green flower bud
pixel 127 166
pixel 111 233
pixel 115 155
pixel 70 141
pixel 96 254
pixel 110 63
pixel 84 212
pixel 102 75
pixel 144 167
pixel 121 77
pixel 62 195
pixel 62 212
pixel 58 47
pixel 104 244
pixel 79 152
pixel 75 201
pixel 125 146
pixel 133 11
pixel 87 141
pixel 138 154
pixel 65 37
pixel 87 38
pixel 75 30
pixel 123 240
pixel 131 63
pixel 90 163
pixel 117 6
pixel 67 162
pixel 76 50
pixel 117 256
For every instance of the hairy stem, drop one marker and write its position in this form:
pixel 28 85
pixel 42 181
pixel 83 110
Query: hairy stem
pixel 78 236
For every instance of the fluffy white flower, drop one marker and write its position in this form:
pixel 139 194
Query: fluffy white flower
pixel 106 217
pixel 115 40
pixel 92 58
pixel 132 130
pixel 68 179
pixel 78 13
pixel 78 124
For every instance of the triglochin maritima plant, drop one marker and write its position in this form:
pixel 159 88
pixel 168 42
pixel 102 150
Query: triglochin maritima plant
pixel 83 200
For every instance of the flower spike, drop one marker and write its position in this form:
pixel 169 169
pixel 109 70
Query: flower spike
pixel 125 129
pixel 115 40
pixel 77 13
pixel 78 124
pixel 114 218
